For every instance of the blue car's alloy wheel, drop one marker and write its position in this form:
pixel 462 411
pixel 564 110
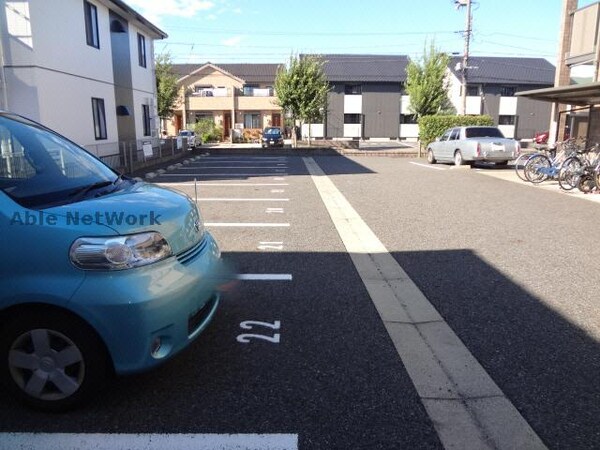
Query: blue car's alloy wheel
pixel 53 361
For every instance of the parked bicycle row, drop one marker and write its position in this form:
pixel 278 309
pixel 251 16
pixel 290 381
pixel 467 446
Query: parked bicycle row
pixel 573 163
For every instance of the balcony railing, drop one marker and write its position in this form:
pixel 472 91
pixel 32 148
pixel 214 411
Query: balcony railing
pixel 212 92
pixel 256 92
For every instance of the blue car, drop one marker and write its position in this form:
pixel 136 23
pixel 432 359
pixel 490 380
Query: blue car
pixel 100 274
pixel 272 137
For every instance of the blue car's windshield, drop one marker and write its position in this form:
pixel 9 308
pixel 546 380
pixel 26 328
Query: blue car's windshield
pixel 38 168
pixel 272 132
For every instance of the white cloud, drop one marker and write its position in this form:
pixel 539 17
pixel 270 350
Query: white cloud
pixel 154 10
pixel 232 41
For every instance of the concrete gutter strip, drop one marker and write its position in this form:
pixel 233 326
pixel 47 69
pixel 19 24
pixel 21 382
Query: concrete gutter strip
pixel 467 408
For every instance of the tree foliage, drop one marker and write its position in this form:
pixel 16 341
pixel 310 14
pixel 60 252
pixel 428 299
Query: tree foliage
pixel 166 86
pixel 302 89
pixel 426 84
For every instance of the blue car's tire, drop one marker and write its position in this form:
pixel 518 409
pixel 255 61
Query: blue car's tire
pixel 51 360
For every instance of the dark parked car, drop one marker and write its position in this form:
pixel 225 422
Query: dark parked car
pixel 272 137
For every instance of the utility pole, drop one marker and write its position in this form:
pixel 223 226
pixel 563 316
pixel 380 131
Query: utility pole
pixel 465 61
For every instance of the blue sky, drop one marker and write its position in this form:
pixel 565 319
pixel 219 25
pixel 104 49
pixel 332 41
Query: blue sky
pixel 254 31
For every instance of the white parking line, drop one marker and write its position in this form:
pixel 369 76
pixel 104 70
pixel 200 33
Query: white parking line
pixel 210 184
pixel 202 166
pixel 98 441
pixel 264 277
pixel 209 175
pixel 467 408
pixel 248 224
pixel 245 158
pixel 428 166
pixel 211 199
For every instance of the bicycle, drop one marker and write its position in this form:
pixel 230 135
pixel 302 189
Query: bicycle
pixel 540 167
pixel 521 161
pixel 577 171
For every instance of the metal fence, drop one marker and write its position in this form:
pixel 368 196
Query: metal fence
pixel 135 155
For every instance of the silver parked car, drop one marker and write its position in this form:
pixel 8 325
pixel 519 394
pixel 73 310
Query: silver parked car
pixel 465 145
pixel 192 140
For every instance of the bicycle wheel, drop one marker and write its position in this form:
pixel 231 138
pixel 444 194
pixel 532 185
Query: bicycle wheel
pixel 596 176
pixel 520 165
pixel 570 173
pixel 537 168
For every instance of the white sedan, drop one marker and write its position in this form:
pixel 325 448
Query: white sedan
pixel 466 145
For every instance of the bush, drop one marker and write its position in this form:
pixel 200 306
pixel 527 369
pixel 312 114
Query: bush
pixel 207 131
pixel 431 127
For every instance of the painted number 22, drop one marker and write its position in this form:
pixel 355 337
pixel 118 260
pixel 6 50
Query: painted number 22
pixel 250 324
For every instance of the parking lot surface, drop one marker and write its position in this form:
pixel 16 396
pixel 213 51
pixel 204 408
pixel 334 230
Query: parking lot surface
pixel 300 355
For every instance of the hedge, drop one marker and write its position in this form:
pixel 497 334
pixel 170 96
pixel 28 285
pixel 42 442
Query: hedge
pixel 431 127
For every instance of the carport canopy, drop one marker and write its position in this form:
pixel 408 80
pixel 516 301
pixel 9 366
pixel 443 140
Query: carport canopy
pixel 579 94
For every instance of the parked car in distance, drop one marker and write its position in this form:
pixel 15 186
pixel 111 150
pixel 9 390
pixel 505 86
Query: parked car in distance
pixel 100 273
pixel 466 145
pixel 272 137
pixel 192 140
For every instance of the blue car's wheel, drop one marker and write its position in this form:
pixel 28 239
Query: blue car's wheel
pixel 51 360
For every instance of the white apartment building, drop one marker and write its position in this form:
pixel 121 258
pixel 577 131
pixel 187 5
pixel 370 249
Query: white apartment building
pixel 84 68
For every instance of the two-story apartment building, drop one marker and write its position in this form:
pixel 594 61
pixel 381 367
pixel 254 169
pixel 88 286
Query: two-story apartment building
pixel 368 99
pixel 82 67
pixel 365 96
pixel 236 97
pixel 492 85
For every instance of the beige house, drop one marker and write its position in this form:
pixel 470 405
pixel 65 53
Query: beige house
pixel 240 98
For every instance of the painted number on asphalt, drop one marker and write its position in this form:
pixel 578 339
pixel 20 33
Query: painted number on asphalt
pixel 251 324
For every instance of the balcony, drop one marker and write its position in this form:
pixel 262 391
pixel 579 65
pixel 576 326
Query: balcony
pixel 257 92
pixel 256 103
pixel 210 99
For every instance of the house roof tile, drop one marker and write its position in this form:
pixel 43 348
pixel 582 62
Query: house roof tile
pixel 504 70
pixel 365 68
pixel 250 73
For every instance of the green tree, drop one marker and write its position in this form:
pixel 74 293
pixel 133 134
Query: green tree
pixel 426 84
pixel 166 86
pixel 302 89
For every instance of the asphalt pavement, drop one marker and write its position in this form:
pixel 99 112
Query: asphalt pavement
pixel 298 349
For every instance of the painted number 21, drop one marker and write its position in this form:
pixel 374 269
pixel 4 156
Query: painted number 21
pixel 251 324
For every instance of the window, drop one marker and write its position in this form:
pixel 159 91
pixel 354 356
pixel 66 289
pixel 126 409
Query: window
pixel 408 118
pixel 506 120
pixel 472 91
pixel 483 132
pixel 251 120
pixel 446 135
pixel 99 118
pixel 248 90
pixel 507 91
pixel 455 135
pixel 91 24
pixel 141 50
pixel 146 116
pixel 203 117
pixel 352 118
pixel 353 89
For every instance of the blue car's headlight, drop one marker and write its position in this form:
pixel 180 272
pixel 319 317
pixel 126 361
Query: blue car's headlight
pixel 120 252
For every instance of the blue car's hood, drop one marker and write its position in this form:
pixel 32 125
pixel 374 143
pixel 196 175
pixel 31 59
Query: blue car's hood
pixel 137 208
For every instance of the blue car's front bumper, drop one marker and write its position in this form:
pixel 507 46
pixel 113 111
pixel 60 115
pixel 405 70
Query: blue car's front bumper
pixel 148 314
